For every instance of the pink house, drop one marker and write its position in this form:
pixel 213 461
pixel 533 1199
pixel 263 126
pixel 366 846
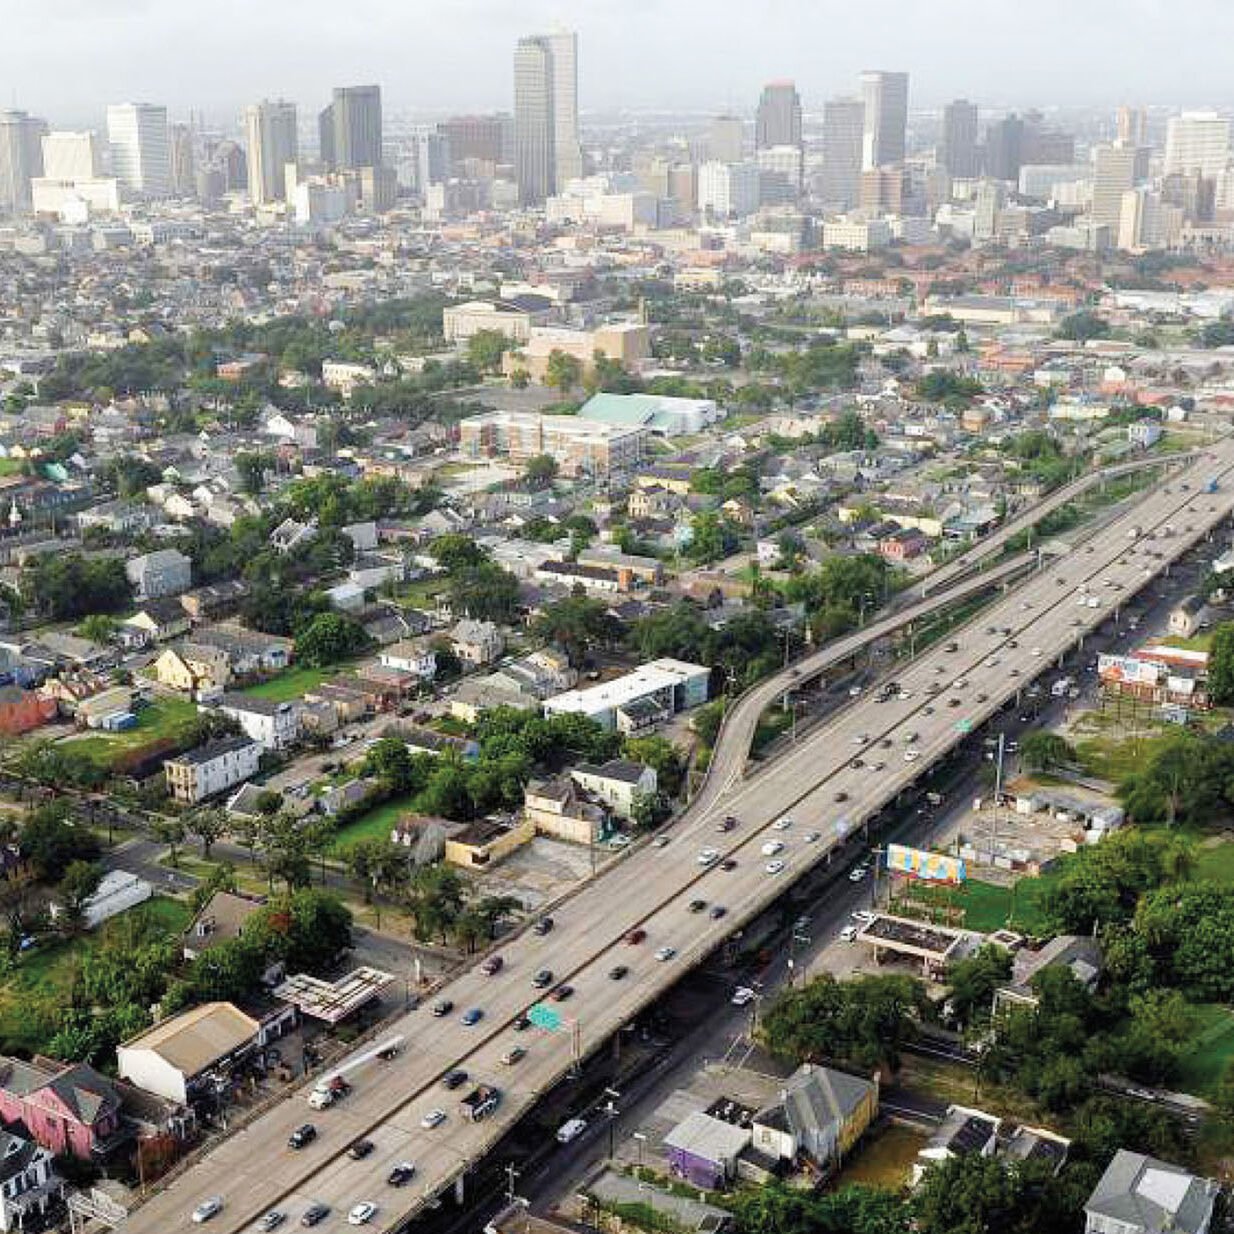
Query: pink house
pixel 66 1107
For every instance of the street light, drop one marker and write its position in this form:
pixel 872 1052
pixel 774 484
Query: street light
pixel 640 1139
pixel 612 1111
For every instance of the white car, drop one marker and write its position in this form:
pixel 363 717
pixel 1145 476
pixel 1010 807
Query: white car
pixel 571 1130
pixel 660 842
pixel 857 873
pixel 207 1209
pixel 774 867
pixel 854 691
pixel 708 857
pixel 911 756
pixel 362 1213
pixel 665 954
pixel 904 695
pixel 434 1118
pixel 1037 651
pixel 811 837
pixel 863 916
pixel 772 847
pixel 848 934
pixel 782 824
pixel 741 996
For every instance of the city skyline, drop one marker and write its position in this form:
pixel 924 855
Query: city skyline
pixel 630 59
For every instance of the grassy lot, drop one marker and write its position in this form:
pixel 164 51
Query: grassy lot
pixel 1211 1049
pixel 10 466
pixel 377 822
pixel 165 717
pixel 44 976
pixel 1214 859
pixel 291 684
pixel 987 905
pixel 884 1159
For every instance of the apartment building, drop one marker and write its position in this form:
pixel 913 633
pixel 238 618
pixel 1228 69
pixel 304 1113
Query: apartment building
pixel 211 769
pixel 581 447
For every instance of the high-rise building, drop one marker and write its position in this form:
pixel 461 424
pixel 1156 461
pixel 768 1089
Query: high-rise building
pixel 778 121
pixel 273 142
pixel 726 139
pixel 959 152
pixel 349 129
pixel 183 157
pixel 547 151
pixel 480 139
pixel 843 135
pixel 21 159
pixel 428 156
pixel 728 190
pixel 1004 148
pixel 71 156
pixel 779 174
pixel 1114 175
pixel 140 154
pixel 1132 126
pixel 886 117
pixel 1197 141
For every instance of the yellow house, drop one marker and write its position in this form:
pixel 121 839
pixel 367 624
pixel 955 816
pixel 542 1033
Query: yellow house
pixel 820 1115
pixel 485 843
pixel 191 667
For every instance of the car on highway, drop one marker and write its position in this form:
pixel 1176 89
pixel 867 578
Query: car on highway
pixel 271 1220
pixel 492 966
pixel 571 1130
pixel 858 873
pixel 386 1053
pixel 841 797
pixel 810 837
pixel 359 1149
pixel 454 1079
pixel 303 1135
pixel 543 926
pixel 1037 651
pixel 782 824
pixel 697 906
pixel 774 867
pixel 208 1209
pixel 728 864
pixel 876 767
pixel 442 1007
pixel 772 847
pixel 635 937
pixel 848 934
pixel 362 1213
pixel 315 1214
pixel 863 916
pixel 742 995
pixel 717 911
pixel 434 1118
pixel 726 824
pixel 522 1024
pixel 512 1055
pixel 561 993
pixel 617 972
pixel 471 1017
pixel 660 842
pixel 543 979
pixel 911 756
pixel 708 857
pixel 665 954
pixel 402 1174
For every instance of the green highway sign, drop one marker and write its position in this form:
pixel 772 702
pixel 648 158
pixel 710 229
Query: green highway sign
pixel 545 1017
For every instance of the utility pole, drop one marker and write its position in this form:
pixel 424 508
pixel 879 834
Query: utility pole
pixel 998 792
pixel 610 1108
pixel 511 1175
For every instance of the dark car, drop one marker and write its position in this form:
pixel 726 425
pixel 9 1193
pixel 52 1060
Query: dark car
pixel 314 1214
pixel 454 1079
pixel 717 911
pixel 636 936
pixel 618 972
pixel 492 966
pixel 697 906
pixel 729 863
pixel 471 1017
pixel 304 1134
pixel 522 1024
pixel 543 926
pixel 444 1007
pixel 360 1149
pixel 561 993
pixel 726 824
pixel 402 1174
pixel 543 979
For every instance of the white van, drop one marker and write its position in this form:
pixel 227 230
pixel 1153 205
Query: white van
pixel 571 1130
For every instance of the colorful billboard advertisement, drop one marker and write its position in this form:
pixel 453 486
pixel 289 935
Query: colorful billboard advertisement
pixel 1124 668
pixel 917 863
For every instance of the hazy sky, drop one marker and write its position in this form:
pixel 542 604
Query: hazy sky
pixel 66 58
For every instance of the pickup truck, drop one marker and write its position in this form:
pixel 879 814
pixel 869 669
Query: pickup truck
pixel 480 1102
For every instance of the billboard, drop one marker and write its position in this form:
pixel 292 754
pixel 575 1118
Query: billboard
pixel 1125 668
pixel 917 863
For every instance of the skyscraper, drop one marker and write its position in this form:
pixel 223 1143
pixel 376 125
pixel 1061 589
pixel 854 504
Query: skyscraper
pixel 726 139
pixel 21 158
pixel 1132 126
pixel 1114 174
pixel 482 139
pixel 547 151
pixel 778 122
pixel 843 131
pixel 350 128
pixel 886 117
pixel 1004 148
pixel 959 153
pixel 1197 141
pixel 71 156
pixel 183 161
pixel 140 155
pixel 273 142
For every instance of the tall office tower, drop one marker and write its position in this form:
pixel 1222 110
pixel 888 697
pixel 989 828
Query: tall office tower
pixel 1004 148
pixel 140 158
pixel 1132 126
pixel 71 156
pixel 778 122
pixel 780 170
pixel 1197 141
pixel 1042 144
pixel 567 146
pixel 886 117
pixel 547 151
pixel 481 139
pixel 989 199
pixel 959 153
pixel 428 156
pixel 843 135
pixel 273 142
pixel 1193 193
pixel 349 129
pixel 21 159
pixel 726 139
pixel 183 161
pixel 728 190
pixel 1114 174
pixel 883 189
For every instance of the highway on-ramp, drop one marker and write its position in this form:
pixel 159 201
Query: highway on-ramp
pixel 826 785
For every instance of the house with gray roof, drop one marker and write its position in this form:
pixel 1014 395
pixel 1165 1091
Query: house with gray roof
pixel 820 1115
pixel 1141 1195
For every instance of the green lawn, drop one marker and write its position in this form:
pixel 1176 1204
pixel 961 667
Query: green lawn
pixel 291 684
pixel 165 717
pixel 1211 1049
pixel 987 905
pixel 43 977
pixel 379 821
pixel 10 466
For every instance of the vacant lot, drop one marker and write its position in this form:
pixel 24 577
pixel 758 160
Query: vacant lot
pixel 164 718
pixel 379 821
pixel 885 1158
pixel 294 683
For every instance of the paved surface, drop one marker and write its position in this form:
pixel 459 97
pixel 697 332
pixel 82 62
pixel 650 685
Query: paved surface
pixel 1003 649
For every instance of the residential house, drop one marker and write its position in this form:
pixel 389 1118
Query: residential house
pixel 619 783
pixel 477 642
pixel 599 579
pixel 1077 952
pixel 216 601
pixel 68 1108
pixel 1141 1195
pixel 28 1183
pixel 117 892
pixel 157 621
pixel 22 711
pixel 903 544
pixel 221 919
pixel 350 795
pixel 273 725
pixel 411 656
pixel 963 1131
pixel 211 769
pixel 1189 617
pixel 291 534
pixel 193 669
pixel 820 1115
pixel 165 572
pixel 249 652
pixel 559 809
pixel 703 1150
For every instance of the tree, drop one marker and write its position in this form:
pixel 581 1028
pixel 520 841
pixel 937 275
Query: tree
pixel 485 349
pixel 1082 326
pixel 576 624
pixel 435 900
pixel 712 536
pixel 540 470
pixel 98 628
pixel 968 1194
pixel 80 881
pixel 662 756
pixel 1045 751
pixel 51 843
pixel 171 831
pixel 455 551
pixel 485 592
pixel 973 980
pixel 563 372
pixel 329 638
pixel 68 586
pixel 208 824
pixel 378 866
pixel 1221 664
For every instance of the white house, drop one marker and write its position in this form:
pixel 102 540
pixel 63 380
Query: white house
pixel 617 783
pixel 411 656
pixel 28 1183
pixel 274 725
pixel 117 891
pixel 194 776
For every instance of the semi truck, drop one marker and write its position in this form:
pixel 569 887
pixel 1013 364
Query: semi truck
pixel 480 1102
